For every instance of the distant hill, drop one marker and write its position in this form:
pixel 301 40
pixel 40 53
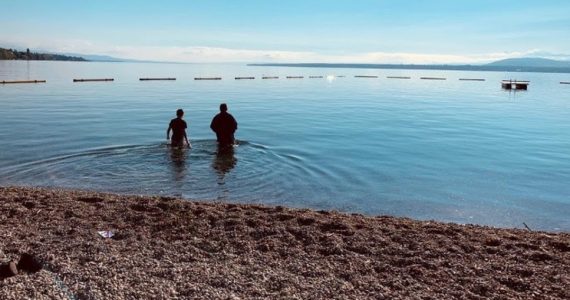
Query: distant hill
pixel 106 58
pixel 533 62
pixel 11 54
pixel 101 58
pixel 91 57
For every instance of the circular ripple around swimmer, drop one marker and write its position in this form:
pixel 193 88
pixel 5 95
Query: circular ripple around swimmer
pixel 261 174
pixel 250 173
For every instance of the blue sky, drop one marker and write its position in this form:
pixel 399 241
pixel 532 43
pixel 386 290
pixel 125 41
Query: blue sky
pixel 365 31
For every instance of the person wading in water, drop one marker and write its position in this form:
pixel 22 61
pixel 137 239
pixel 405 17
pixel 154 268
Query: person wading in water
pixel 178 127
pixel 224 125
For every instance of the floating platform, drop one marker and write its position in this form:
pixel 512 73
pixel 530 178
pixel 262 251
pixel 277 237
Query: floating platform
pixel 270 77
pixel 207 78
pixel 21 81
pixel 340 76
pixel 295 77
pixel 316 76
pixel 471 79
pixel 515 84
pixel 398 77
pixel 365 76
pixel 433 78
pixel 93 79
pixel 242 78
pixel 153 79
pixel 564 82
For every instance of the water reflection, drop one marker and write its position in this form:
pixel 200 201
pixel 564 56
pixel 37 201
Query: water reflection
pixel 178 158
pixel 224 162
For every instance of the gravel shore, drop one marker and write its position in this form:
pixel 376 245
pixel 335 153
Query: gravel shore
pixel 165 248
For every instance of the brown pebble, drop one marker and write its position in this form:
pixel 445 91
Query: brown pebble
pixel 12 268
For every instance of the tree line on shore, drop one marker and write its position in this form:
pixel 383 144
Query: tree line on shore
pixel 12 54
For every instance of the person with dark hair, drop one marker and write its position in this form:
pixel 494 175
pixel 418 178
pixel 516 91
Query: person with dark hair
pixel 224 125
pixel 178 127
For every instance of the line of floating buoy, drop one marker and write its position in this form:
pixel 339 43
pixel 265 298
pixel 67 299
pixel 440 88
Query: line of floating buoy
pixel 505 84
pixel 153 79
pixel 564 82
pixel 21 81
pixel 93 79
pixel 433 78
pixel 207 78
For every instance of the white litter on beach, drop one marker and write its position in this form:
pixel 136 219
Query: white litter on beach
pixel 106 234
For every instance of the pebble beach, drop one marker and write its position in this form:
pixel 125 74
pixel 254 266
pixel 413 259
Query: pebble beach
pixel 167 248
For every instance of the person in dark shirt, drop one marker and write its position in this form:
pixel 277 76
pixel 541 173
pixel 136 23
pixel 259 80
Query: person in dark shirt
pixel 224 125
pixel 178 127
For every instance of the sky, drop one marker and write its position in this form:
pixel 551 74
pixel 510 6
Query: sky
pixel 334 31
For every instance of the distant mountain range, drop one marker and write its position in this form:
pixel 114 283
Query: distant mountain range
pixel 105 58
pixel 527 64
pixel 506 65
pixel 96 57
pixel 12 54
pixel 533 62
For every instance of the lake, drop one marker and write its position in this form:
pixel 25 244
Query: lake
pixel 449 150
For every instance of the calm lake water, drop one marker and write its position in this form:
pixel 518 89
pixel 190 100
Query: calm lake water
pixel 450 150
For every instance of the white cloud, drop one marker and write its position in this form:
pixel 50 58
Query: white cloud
pixel 217 54
pixel 418 58
pixel 211 54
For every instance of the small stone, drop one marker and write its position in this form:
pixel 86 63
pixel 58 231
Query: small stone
pixel 12 268
pixel 8 270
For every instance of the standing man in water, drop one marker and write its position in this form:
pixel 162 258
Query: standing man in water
pixel 224 125
pixel 178 127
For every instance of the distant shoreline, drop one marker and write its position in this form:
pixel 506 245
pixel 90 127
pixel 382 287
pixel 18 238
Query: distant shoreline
pixel 12 54
pixel 485 68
